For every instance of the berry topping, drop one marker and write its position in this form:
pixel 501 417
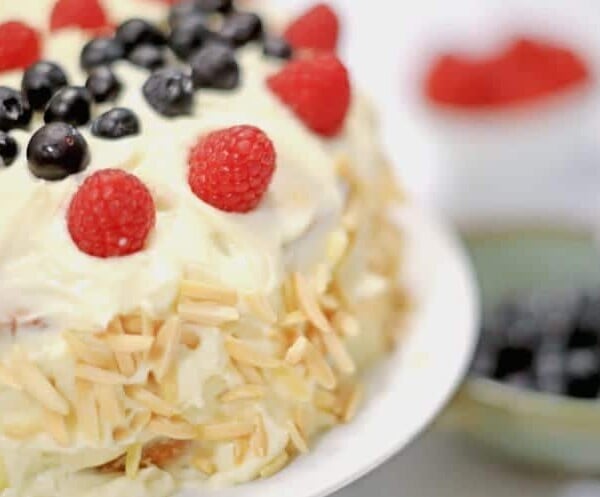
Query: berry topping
pixel 215 5
pixel 8 149
pixel 135 32
pixel 277 47
pixel 170 92
pixel 188 36
pixel 84 14
pixel 111 215
pixel 14 110
pixel 241 28
pixel 317 29
pixel 20 46
pixel 72 105
pixel 317 90
pixel 41 81
pixel 232 168
pixel 116 123
pixel 103 84
pixel 185 10
pixel 148 57
pixel 100 52
pixel 56 151
pixel 215 67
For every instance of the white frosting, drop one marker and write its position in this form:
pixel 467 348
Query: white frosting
pixel 44 277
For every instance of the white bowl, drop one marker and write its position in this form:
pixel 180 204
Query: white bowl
pixel 410 388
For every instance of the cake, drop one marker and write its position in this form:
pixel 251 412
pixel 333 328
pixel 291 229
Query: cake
pixel 197 258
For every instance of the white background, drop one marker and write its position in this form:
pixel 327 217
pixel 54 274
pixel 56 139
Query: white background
pixel 386 44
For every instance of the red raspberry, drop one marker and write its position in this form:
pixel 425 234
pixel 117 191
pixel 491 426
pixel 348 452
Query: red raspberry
pixel 84 14
pixel 317 89
pixel 232 168
pixel 111 214
pixel 317 29
pixel 20 46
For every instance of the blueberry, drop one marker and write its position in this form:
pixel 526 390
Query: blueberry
pixel 40 81
pixel 100 52
pixel 170 92
pixel 189 36
pixel 148 57
pixel 72 105
pixel 9 149
pixel 275 46
pixel 116 123
pixel 135 32
pixel 241 28
pixel 550 368
pixel 56 151
pixel 215 67
pixel 185 10
pixel 215 5
pixel 103 84
pixel 513 360
pixel 14 109
pixel 582 372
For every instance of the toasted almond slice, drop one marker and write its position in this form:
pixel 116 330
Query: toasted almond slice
pixel 299 418
pixel 22 430
pixel 133 458
pixel 169 386
pixel 109 406
pixel 56 427
pixel 165 347
pixel 35 383
pixel 261 308
pixel 351 217
pixel 243 392
pixel 309 304
pixel 337 246
pixel 190 338
pixel 128 344
pixel 289 295
pixel 100 376
pixel 86 411
pixel 8 379
pixel 116 327
pixel 245 354
pixel 240 449
pixel 326 401
pixel 131 324
pixel 146 325
pixel 319 369
pixel 353 403
pixel 259 441
pixel 206 313
pixel 339 353
pixel 126 363
pixel 249 373
pixel 204 464
pixel 151 401
pixel 292 319
pixel 347 324
pixel 296 437
pixel 225 431
pixel 90 350
pixel 198 290
pixel 275 466
pixel 322 278
pixel 329 302
pixel 297 351
pixel 294 385
pixel 172 428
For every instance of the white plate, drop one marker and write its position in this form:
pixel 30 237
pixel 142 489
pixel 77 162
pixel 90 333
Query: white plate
pixel 410 388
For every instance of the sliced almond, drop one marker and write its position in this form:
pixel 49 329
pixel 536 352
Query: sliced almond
pixel 310 305
pixel 243 353
pixel 198 290
pixel 207 313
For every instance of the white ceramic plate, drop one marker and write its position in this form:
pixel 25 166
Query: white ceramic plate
pixel 410 388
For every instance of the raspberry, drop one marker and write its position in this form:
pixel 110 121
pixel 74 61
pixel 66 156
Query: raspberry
pixel 111 214
pixel 317 29
pixel 20 46
pixel 317 89
pixel 232 168
pixel 84 14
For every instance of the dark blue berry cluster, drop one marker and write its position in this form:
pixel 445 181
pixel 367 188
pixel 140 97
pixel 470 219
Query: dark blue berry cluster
pixel 549 344
pixel 197 50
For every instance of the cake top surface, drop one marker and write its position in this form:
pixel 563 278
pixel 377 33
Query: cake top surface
pixel 47 280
